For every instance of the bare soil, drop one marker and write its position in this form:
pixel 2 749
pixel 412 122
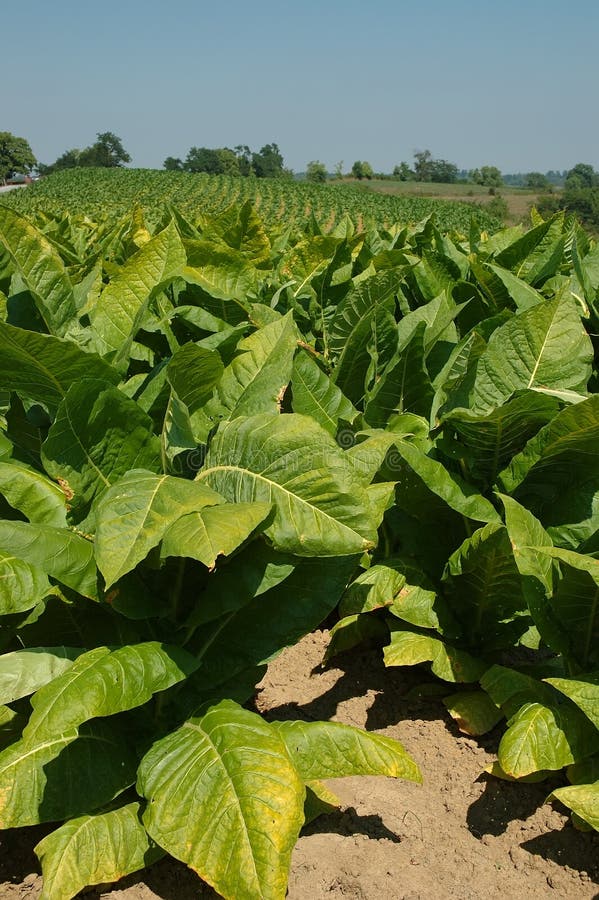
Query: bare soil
pixel 461 835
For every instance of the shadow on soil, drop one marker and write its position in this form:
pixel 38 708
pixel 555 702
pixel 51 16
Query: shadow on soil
pixel 564 847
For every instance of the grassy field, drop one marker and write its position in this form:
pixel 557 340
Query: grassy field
pixel 519 200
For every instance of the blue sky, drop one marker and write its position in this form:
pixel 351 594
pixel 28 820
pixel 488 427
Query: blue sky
pixel 511 84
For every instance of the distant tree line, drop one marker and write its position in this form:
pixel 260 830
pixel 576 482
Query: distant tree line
pixel 267 163
pixel 107 152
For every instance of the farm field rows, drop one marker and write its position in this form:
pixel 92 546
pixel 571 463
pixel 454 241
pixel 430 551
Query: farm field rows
pixel 217 434
pixel 101 192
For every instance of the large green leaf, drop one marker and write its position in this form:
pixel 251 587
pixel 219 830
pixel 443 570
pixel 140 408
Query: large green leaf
pixel 67 774
pixel 461 497
pixel 117 314
pixel 404 386
pixel 567 442
pixel 213 531
pixel 315 395
pixel 363 328
pixel 103 683
pixel 523 295
pixel 536 255
pixel 527 535
pixel 256 379
pixel 397 585
pixel 483 589
pixel 97 436
pixel 242 229
pixel 490 441
pixel 582 799
pixel 575 604
pixel 62 554
pixel 41 268
pixel 134 514
pixel 583 691
pixel 29 491
pixel 193 372
pixel 545 346
pixel 239 801
pixel 22 585
pixel 24 671
pixel 334 750
pixel 40 367
pixel 557 474
pixel 288 599
pixel 291 462
pixel 221 271
pixel 409 648
pixel 94 849
pixel 541 737
pixel 307 260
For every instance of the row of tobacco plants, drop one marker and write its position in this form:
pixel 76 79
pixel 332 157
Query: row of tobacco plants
pixel 212 434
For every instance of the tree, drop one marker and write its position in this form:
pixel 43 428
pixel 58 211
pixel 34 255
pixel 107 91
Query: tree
pixel 228 161
pixel 268 163
pixel 536 181
pixel 244 159
pixel 68 160
pixel 173 164
pixel 361 169
pixel 202 159
pixel 581 176
pixel 488 176
pixel 403 172
pixel 15 155
pixel 316 172
pixel 339 169
pixel 422 165
pixel 442 171
pixel 107 152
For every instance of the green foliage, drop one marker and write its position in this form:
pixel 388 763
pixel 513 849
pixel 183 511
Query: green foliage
pixel 428 169
pixel 213 432
pixel 488 176
pixel 362 170
pixel 107 152
pixel 105 195
pixel 537 181
pixel 316 172
pixel 178 509
pixel 15 155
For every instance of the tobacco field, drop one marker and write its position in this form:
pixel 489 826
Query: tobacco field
pixel 217 432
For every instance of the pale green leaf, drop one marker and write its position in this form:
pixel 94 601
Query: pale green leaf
pixel 582 799
pixel 103 682
pixel 213 531
pixel 238 801
pixel 134 514
pixel 29 491
pixel 291 462
pixel 40 367
pixel 22 585
pixel 62 554
pixel 408 648
pixel 117 315
pixel 24 671
pixel 94 849
pixel 98 435
pixel 315 395
pixel 334 750
pixel 67 774
pixel 41 268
